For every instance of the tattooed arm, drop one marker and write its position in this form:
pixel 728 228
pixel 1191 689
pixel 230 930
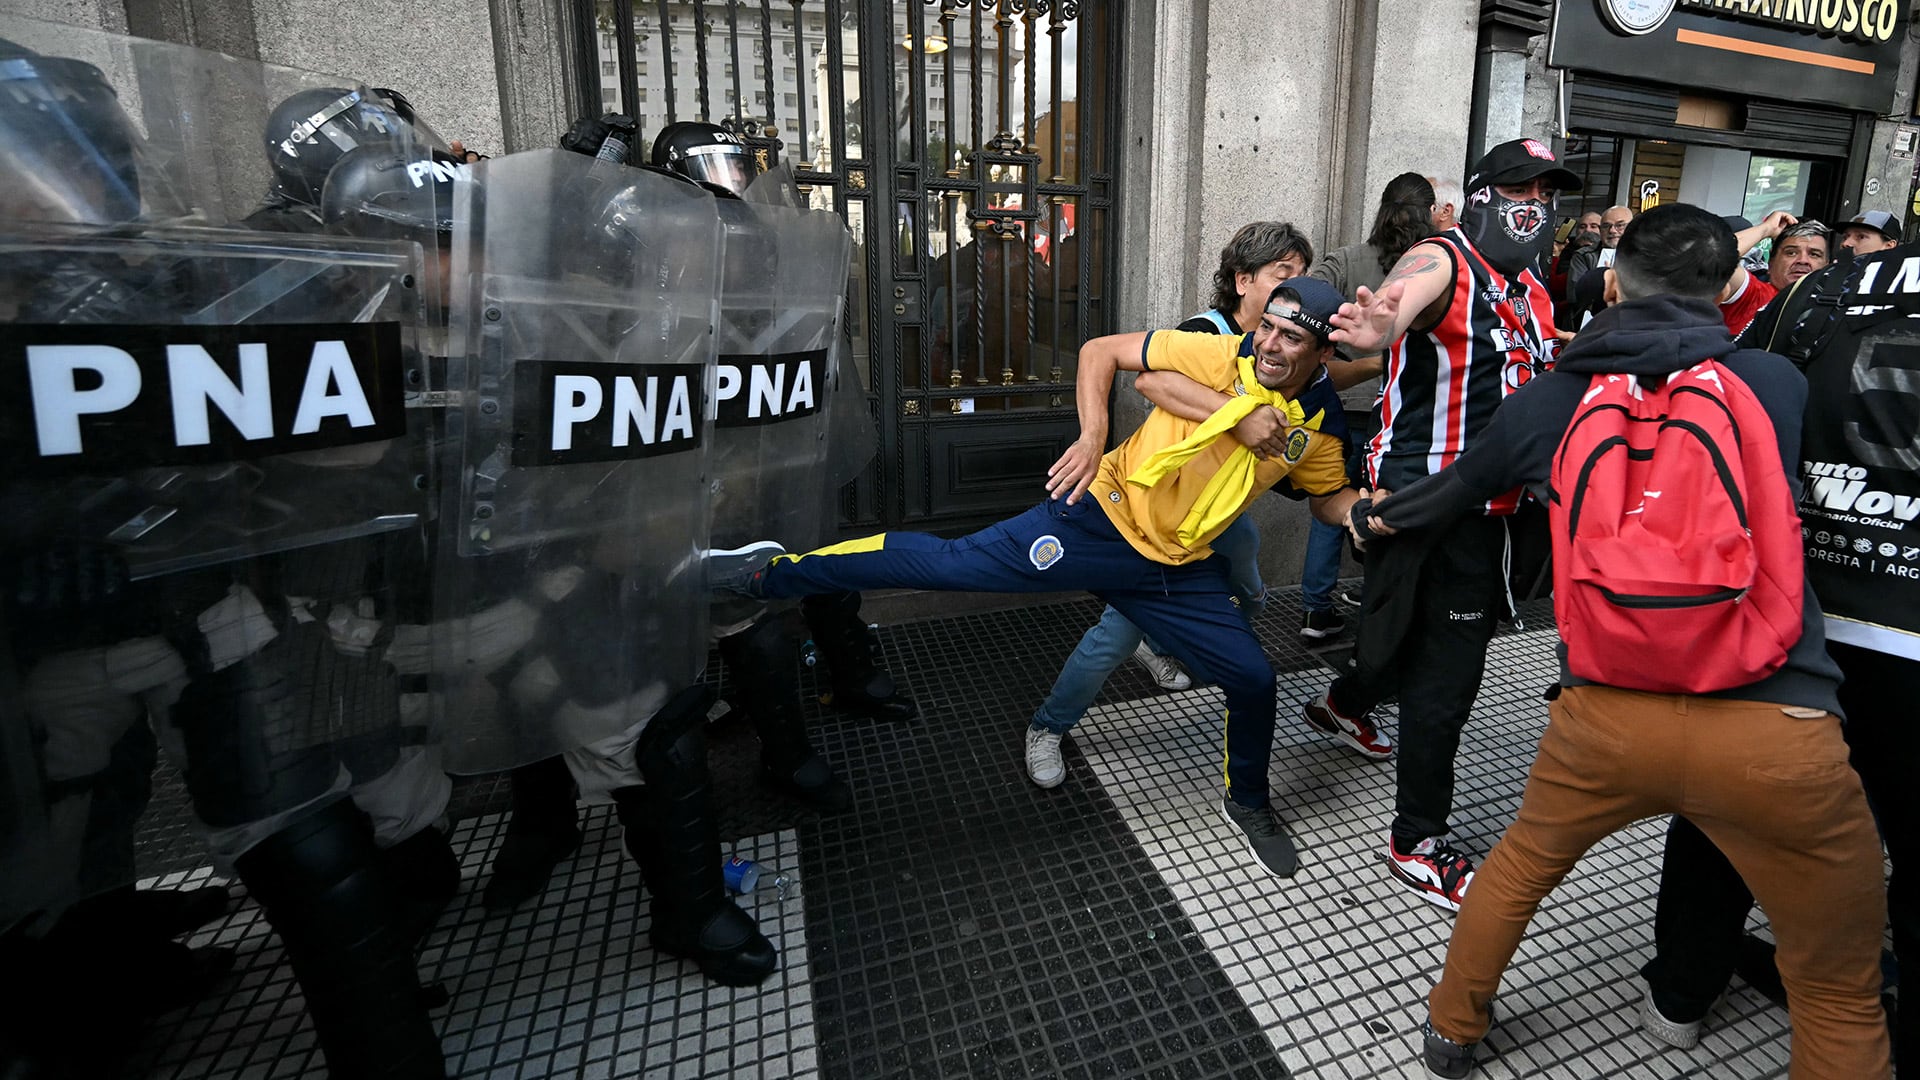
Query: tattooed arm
pixel 1415 294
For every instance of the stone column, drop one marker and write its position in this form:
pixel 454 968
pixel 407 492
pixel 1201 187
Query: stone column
pixel 1507 27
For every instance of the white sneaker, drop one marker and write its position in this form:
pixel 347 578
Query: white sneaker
pixel 1672 1032
pixel 1044 765
pixel 1164 669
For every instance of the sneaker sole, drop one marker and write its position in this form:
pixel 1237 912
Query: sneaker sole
pixel 1258 861
pixel 1665 1031
pixel 757 545
pixel 1320 635
pixel 1173 686
pixel 1427 892
pixel 1053 783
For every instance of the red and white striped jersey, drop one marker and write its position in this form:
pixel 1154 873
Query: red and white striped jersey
pixel 1441 385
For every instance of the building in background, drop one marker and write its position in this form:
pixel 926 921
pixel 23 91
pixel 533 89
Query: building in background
pixel 1022 174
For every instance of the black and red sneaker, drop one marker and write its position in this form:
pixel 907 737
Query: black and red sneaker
pixel 1434 868
pixel 1356 731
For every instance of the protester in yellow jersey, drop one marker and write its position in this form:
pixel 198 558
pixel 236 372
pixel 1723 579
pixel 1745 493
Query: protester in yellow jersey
pixel 1172 518
pixel 1163 495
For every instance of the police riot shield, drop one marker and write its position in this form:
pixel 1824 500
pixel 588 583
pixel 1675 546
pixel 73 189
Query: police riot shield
pixel 781 295
pixel 852 437
pixel 209 466
pixel 573 512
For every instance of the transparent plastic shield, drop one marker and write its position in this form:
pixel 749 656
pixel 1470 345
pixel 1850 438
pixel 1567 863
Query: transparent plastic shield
pixel 568 593
pixel 782 292
pixel 211 471
pixel 98 128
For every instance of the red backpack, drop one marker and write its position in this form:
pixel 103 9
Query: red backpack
pixel 1676 546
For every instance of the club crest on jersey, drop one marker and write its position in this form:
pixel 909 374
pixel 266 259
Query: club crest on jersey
pixel 1045 552
pixel 1296 446
pixel 1522 220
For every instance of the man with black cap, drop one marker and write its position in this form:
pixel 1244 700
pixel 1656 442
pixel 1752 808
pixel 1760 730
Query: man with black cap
pixel 1466 319
pixel 1864 234
pixel 1142 540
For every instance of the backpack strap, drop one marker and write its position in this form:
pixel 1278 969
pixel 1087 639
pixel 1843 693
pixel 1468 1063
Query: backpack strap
pixel 1816 324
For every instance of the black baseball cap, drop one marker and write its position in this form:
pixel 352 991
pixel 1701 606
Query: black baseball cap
pixel 1887 225
pixel 1318 303
pixel 1519 160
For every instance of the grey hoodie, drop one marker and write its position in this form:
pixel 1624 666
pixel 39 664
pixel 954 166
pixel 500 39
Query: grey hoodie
pixel 1653 335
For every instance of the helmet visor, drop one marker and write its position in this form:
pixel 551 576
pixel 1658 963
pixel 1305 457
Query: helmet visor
pixel 67 151
pixel 730 167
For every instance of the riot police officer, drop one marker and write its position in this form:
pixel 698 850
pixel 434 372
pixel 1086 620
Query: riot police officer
pixel 759 646
pixel 198 571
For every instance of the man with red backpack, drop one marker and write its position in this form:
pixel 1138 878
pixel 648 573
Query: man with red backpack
pixel 1694 675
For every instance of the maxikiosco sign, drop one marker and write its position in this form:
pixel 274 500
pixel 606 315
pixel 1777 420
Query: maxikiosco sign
pixel 1844 53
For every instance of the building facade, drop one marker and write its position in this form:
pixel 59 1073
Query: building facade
pixel 1020 175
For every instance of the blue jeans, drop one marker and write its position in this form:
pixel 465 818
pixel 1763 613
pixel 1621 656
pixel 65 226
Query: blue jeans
pixel 1108 643
pixel 1321 570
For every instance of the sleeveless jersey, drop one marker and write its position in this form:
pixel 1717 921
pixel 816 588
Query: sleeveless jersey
pixel 1442 384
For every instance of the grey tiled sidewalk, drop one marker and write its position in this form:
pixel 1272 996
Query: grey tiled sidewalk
pixel 962 922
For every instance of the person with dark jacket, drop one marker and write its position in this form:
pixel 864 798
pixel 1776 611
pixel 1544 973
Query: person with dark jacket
pixel 1761 768
pixel 1840 326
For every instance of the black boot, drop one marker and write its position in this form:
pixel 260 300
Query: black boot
pixel 763 662
pixel 671 832
pixel 860 685
pixel 427 874
pixel 320 884
pixel 544 829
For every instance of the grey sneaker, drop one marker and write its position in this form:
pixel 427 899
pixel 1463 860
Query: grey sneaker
pixel 1044 764
pixel 738 570
pixel 1164 669
pixel 1445 1059
pixel 1265 835
pixel 1672 1032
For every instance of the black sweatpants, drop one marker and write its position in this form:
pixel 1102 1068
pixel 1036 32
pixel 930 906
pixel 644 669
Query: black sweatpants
pixel 1703 904
pixel 1431 604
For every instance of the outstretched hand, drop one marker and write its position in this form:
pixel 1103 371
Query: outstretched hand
pixel 1366 323
pixel 1076 469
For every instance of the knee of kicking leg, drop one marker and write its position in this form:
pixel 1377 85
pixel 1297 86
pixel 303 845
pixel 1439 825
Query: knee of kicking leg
pixel 1251 676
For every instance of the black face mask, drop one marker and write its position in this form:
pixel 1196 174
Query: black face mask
pixel 1511 234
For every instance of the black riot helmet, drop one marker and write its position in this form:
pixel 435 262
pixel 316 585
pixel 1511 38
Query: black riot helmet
pixel 707 153
pixel 392 193
pixel 310 132
pixel 67 150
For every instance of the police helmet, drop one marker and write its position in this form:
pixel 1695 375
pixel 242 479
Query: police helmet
pixel 707 153
pixel 309 132
pixel 67 150
pixel 386 192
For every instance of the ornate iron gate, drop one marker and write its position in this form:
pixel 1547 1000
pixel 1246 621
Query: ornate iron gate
pixel 970 146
